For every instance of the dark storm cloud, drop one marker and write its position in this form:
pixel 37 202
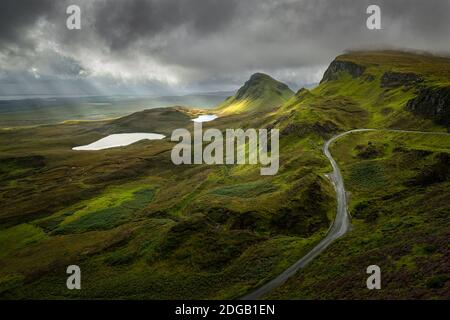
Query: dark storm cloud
pixel 122 22
pixel 210 43
pixel 17 16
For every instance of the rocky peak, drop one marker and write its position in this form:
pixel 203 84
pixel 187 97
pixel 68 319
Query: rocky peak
pixel 260 76
pixel 338 66
pixel 257 84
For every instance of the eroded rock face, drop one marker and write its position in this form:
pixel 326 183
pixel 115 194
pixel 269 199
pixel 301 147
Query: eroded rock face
pixel 397 79
pixel 433 103
pixel 337 66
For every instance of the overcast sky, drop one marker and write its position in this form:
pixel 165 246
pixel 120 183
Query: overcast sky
pixel 178 46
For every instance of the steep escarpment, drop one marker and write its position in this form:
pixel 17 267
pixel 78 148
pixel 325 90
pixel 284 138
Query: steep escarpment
pixel 433 103
pixel 396 79
pixel 337 67
pixel 375 89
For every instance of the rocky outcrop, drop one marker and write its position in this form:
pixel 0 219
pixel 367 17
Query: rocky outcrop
pixel 302 93
pixel 432 103
pixel 338 66
pixel 396 79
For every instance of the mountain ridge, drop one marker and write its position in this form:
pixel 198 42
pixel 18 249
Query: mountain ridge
pixel 377 89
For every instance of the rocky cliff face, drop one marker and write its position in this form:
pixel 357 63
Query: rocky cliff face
pixel 433 103
pixel 338 66
pixel 397 79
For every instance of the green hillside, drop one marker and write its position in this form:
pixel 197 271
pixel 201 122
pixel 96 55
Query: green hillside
pixel 398 183
pixel 399 186
pixel 261 93
pixel 373 90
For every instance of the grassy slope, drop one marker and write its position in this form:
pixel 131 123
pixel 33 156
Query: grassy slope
pixel 261 93
pixel 398 184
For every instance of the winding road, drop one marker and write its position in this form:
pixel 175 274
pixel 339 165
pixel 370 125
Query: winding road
pixel 340 225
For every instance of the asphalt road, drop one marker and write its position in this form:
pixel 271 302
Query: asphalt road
pixel 339 227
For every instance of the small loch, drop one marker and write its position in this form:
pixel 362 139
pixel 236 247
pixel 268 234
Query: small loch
pixel 205 118
pixel 119 140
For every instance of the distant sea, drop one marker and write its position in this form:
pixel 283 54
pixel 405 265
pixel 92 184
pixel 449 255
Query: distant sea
pixel 29 110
